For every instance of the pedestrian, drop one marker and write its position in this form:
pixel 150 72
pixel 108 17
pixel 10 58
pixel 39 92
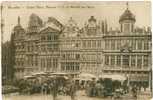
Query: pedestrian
pixel 93 89
pixel 55 89
pixel 98 88
pixel 73 91
pixel 134 91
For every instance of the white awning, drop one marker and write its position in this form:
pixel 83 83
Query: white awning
pixel 113 77
pixel 86 76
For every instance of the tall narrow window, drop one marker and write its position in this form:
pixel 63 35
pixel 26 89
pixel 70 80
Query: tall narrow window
pixel 126 27
pixel 146 45
pixel 133 60
pixel 36 60
pixel 107 44
pixel 49 37
pixel 113 44
pixel 89 44
pixel 118 60
pixel 94 44
pixel 99 44
pixel 126 60
pixel 145 61
pixel 139 61
pixel 106 60
pixel 133 44
pixel 139 42
pixel 118 44
pixel 48 65
pixel 84 44
pixel 112 60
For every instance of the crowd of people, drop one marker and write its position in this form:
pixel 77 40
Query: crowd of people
pixel 61 86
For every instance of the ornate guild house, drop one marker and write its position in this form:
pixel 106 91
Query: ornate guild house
pixel 94 48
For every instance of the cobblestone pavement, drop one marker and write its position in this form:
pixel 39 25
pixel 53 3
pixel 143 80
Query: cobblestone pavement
pixel 80 96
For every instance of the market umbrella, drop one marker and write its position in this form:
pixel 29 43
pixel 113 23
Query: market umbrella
pixel 39 74
pixel 29 77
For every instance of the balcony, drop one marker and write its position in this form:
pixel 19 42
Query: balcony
pixel 124 69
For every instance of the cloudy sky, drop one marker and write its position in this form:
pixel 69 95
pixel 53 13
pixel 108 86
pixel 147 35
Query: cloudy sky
pixel 79 11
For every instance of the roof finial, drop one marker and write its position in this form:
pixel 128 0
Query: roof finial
pixel 127 5
pixel 71 18
pixel 18 20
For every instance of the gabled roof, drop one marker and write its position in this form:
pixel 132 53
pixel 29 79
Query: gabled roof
pixel 49 29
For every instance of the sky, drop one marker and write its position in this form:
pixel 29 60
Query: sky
pixel 79 11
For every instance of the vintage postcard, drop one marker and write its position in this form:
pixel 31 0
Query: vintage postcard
pixel 76 50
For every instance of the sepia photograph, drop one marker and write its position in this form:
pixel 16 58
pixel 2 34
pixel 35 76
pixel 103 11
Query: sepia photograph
pixel 76 50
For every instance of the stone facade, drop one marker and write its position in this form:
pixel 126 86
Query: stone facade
pixel 54 47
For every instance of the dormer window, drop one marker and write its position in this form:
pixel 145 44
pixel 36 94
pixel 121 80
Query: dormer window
pixel 126 27
pixel 127 20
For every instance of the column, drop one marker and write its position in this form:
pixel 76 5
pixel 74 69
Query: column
pixel 130 27
pixel 142 62
pixel 136 42
pixel 58 65
pixel 130 61
pixel 143 43
pixel 121 61
pixel 114 44
pixel 136 61
pixel 110 44
pixel 109 60
pixel 115 61
pixel 45 63
pixel 96 45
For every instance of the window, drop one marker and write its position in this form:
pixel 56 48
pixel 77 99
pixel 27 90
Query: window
pixel 32 60
pixel 62 66
pixel 63 56
pixel 126 60
pixel 55 37
pixel 55 46
pixel 118 44
pixel 139 44
pixel 145 61
pixel 48 63
pixel 118 60
pixel 133 60
pixel 28 47
pixel 112 60
pixel 77 56
pixel 139 61
pixel 49 37
pixel 133 44
pixel 36 60
pixel 91 31
pixel 54 63
pixel 126 27
pixel 77 66
pixel 113 44
pixel 43 38
pixel 89 44
pixel 77 45
pixel 146 45
pixel 99 44
pixel 94 44
pixel 107 44
pixel 106 60
pixel 84 44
